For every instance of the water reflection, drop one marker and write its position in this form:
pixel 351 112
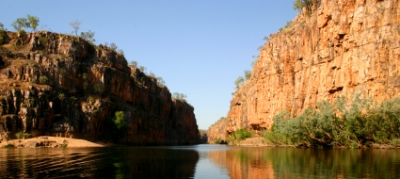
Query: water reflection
pixel 201 161
pixel 98 163
pixel 308 163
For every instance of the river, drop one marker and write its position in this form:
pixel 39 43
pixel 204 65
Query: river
pixel 198 161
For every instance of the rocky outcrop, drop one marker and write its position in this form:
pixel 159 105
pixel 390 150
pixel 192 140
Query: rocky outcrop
pixel 343 47
pixel 56 84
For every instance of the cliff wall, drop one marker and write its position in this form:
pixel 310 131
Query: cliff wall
pixel 55 84
pixel 342 47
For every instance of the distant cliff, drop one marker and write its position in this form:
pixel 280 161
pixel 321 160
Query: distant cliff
pixel 342 47
pixel 56 84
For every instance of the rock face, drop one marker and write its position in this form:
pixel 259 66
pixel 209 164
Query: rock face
pixel 344 47
pixel 55 84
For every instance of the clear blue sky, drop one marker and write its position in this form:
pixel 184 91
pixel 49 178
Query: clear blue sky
pixel 199 47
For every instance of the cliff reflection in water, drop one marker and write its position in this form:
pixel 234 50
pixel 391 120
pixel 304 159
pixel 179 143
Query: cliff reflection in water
pixel 256 163
pixel 129 162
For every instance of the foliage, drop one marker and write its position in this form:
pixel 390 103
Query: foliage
pixel 22 135
pixel 253 63
pixel 134 63
pixel 99 88
pixel 299 4
pixel 33 21
pixel 43 40
pixel 118 126
pixel 240 134
pixel 9 146
pixel 89 36
pixel 43 79
pixel 218 141
pixel 266 38
pixel 1 26
pixel 113 46
pixel 119 120
pixel 2 35
pixel 142 69
pixel 75 25
pixel 61 96
pixel 160 81
pixel 239 81
pixel 247 74
pixel 20 23
pixel 179 96
pixel 342 123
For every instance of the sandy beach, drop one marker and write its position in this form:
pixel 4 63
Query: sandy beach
pixel 71 142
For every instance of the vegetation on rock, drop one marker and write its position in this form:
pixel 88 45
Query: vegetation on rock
pixel 360 123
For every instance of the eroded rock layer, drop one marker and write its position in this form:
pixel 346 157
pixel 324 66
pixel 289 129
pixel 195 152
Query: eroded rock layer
pixel 57 84
pixel 343 47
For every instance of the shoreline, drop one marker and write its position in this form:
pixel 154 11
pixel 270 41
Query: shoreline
pixel 52 142
pixel 260 142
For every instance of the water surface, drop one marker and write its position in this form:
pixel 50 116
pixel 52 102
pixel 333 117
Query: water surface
pixel 199 161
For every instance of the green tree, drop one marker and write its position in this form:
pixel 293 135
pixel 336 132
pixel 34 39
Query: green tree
pixel 179 96
pixel 33 21
pixel 299 4
pixel 43 79
pixel 239 81
pixel 247 74
pixel 1 26
pixel 75 25
pixel 113 46
pixel 134 63
pixel 89 36
pixel 20 23
pixel 160 81
pixel 119 120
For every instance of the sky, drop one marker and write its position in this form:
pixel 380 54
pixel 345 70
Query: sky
pixel 198 47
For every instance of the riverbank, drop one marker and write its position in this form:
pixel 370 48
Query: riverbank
pixel 259 141
pixel 51 142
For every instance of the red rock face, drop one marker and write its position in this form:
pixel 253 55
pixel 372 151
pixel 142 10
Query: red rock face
pixel 64 86
pixel 343 48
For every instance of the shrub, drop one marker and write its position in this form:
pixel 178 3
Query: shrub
pixel 61 96
pixel 43 40
pixel 2 36
pixel 217 141
pixel 99 88
pixel 352 124
pixel 43 79
pixel 22 135
pixel 9 146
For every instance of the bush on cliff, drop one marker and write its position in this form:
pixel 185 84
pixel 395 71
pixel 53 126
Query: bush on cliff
pixel 117 126
pixel 356 124
pixel 240 134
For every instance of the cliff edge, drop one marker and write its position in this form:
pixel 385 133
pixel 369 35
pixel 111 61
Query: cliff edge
pixel 342 47
pixel 61 85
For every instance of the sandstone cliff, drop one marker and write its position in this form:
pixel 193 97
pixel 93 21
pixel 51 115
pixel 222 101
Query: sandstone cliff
pixel 342 47
pixel 55 84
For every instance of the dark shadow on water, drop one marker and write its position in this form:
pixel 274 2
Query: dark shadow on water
pixel 121 162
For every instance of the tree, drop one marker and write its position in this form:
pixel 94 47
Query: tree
pixel 20 23
pixel 75 25
pixel 89 36
pixel 179 96
pixel 33 21
pixel 239 81
pixel 1 26
pixel 134 63
pixel 247 74
pixel 299 4
pixel 160 81
pixel 113 46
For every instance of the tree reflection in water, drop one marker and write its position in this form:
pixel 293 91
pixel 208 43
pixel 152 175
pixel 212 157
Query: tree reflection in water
pixel 308 163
